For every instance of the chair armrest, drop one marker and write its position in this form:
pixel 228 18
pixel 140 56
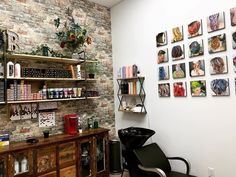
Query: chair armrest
pixel 155 170
pixel 187 163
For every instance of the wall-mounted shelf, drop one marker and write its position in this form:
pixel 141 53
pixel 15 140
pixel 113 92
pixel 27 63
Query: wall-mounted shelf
pixel 131 90
pixel 47 79
pixel 43 58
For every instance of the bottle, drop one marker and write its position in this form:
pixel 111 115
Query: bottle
pixel 10 69
pixel 44 92
pixel 79 125
pixel 16 167
pixel 17 70
pixel 24 165
pixel 78 72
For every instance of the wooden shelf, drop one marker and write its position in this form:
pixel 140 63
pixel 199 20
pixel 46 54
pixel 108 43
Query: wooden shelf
pixel 2 102
pixel 47 100
pixel 131 78
pixel 91 79
pixel 44 58
pixel 94 97
pixel 91 61
pixel 56 79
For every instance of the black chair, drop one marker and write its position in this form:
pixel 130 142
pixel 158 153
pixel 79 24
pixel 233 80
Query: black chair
pixel 153 162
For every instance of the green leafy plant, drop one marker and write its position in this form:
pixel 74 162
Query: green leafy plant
pixel 92 68
pixel 72 35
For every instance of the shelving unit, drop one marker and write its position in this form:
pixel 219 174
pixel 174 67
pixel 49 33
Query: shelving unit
pixel 129 89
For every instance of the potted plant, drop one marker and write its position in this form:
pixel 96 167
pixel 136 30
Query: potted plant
pixel 91 69
pixel 46 133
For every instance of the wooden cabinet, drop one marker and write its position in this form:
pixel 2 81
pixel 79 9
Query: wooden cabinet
pixel 81 155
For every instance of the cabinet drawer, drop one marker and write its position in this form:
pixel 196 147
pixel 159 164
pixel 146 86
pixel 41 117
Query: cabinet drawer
pixel 67 154
pixel 68 172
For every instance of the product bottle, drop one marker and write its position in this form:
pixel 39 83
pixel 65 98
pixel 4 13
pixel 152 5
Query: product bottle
pixel 79 125
pixel 78 72
pixel 10 69
pixel 17 70
pixel 44 92
pixel 16 167
pixel 24 165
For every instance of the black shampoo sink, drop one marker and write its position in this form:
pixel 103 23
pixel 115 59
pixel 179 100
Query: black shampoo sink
pixel 134 137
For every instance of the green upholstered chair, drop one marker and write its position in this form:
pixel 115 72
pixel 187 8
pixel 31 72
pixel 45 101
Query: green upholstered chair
pixel 153 162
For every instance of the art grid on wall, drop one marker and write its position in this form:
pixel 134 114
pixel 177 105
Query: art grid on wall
pixel 181 57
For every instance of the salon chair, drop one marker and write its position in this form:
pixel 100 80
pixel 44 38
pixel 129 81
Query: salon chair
pixel 153 162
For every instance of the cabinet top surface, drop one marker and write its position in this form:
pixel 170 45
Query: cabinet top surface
pixel 54 139
pixel 131 78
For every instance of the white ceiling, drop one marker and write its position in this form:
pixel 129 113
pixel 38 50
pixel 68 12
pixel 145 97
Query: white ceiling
pixel 107 3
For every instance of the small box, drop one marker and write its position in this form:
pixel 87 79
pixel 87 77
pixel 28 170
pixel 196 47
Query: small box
pixel 4 139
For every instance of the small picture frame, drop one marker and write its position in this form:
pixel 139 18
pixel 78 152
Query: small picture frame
pixel 198 88
pixel 234 63
pixel 177 52
pixel 234 39
pixel 178 71
pixel 164 90
pixel 47 119
pixel 26 111
pixel 220 87
pixel 216 22
pixel 179 89
pixel 163 73
pixel 218 65
pixel 15 112
pixel 233 16
pixel 177 34
pixel 196 48
pixel 197 68
pixel 195 28
pixel 162 56
pixel 217 43
pixel 161 39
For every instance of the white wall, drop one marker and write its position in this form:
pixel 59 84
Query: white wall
pixel 201 129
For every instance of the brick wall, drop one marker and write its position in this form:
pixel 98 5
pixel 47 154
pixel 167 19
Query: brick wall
pixel 33 21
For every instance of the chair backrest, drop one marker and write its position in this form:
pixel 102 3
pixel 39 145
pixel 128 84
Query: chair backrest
pixel 152 156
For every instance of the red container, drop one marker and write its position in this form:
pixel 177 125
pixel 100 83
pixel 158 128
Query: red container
pixel 71 124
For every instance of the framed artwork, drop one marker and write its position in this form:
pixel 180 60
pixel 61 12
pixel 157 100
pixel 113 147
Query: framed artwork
pixel 217 43
pixel 178 71
pixel 46 119
pixel 15 111
pixel 26 111
pixel 163 73
pixel 234 62
pixel 198 88
pixel 195 28
pixel 177 52
pixel 197 68
pixel 218 65
pixel 215 22
pixel 233 16
pixel 161 39
pixel 196 48
pixel 162 56
pixel 220 87
pixel 164 90
pixel 177 34
pixel 179 89
pixel 234 39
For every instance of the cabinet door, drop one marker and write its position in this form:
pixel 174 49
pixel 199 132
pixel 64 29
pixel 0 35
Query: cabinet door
pixel 21 164
pixel 86 163
pixel 46 160
pixel 67 154
pixel 68 172
pixel 3 166
pixel 101 155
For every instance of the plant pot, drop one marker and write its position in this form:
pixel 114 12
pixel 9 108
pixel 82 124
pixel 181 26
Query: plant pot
pixel 91 76
pixel 45 134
